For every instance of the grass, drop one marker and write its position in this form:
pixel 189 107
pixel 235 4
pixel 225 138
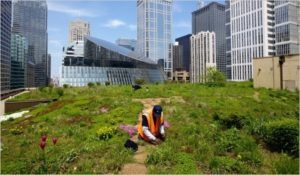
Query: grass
pixel 213 130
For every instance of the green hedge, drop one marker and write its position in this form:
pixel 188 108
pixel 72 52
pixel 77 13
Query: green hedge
pixel 283 135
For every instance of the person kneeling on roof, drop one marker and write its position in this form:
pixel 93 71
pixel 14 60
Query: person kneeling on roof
pixel 151 128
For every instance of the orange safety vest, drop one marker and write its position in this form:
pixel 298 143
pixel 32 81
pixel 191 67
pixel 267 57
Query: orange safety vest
pixel 154 129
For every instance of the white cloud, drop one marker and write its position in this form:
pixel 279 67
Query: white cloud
pixel 57 7
pixel 114 23
pixel 183 24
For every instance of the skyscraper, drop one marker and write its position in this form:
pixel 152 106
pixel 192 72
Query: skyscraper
pixel 287 27
pixel 252 35
pixel 203 52
pixel 30 21
pixel 212 18
pixel 18 61
pixel 78 29
pixel 177 57
pixel 154 32
pixel 185 42
pixel 5 33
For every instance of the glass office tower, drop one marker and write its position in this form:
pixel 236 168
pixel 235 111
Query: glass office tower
pixel 287 27
pixel 30 21
pixel 18 61
pixel 5 32
pixel 154 32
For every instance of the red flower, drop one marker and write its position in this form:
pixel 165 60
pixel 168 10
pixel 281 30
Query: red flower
pixel 44 138
pixel 54 140
pixel 42 145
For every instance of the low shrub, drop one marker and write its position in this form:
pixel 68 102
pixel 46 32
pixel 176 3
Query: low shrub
pixel 283 135
pixel 230 121
pixel 233 141
pixel 107 83
pixel 91 84
pixel 105 133
pixel 139 81
pixel 16 131
pixel 221 165
pixel 60 92
pixel 286 165
pixel 65 85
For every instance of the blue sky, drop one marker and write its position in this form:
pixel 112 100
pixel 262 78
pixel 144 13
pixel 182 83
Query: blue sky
pixel 109 20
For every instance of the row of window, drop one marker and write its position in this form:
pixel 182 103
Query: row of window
pixel 245 6
pixel 246 55
pixel 247 22
pixel 281 14
pixel 247 38
pixel 282 33
pixel 241 72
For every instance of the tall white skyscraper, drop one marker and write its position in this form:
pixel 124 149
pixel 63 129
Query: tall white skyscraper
pixel 154 32
pixel 78 29
pixel 252 34
pixel 203 55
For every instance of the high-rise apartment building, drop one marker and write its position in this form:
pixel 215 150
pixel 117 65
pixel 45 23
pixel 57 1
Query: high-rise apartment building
pixel 18 61
pixel 185 42
pixel 127 43
pixel 211 17
pixel 252 34
pixel 30 21
pixel 154 32
pixel 78 29
pixel 287 27
pixel 5 33
pixel 203 52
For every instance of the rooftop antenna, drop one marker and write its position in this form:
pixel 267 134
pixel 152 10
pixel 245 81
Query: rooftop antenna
pixel 201 4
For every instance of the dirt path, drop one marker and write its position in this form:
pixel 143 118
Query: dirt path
pixel 139 167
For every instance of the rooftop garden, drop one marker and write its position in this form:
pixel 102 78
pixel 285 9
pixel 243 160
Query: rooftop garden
pixel 223 129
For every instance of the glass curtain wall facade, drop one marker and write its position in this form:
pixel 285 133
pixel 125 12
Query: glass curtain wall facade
pixel 212 18
pixel 185 42
pixel 5 45
pixel 154 32
pixel 287 27
pixel 177 57
pixel 18 61
pixel 106 62
pixel 30 21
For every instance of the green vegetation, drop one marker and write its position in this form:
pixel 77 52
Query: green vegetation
pixel 218 129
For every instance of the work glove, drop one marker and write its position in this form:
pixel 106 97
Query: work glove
pixel 155 142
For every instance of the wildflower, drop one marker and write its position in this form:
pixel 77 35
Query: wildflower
pixel 42 145
pixel 54 140
pixel 44 138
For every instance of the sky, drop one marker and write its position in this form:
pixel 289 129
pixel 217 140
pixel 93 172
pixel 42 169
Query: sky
pixel 109 20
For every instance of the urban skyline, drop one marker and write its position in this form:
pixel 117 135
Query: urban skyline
pixel 271 36
pixel 106 23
